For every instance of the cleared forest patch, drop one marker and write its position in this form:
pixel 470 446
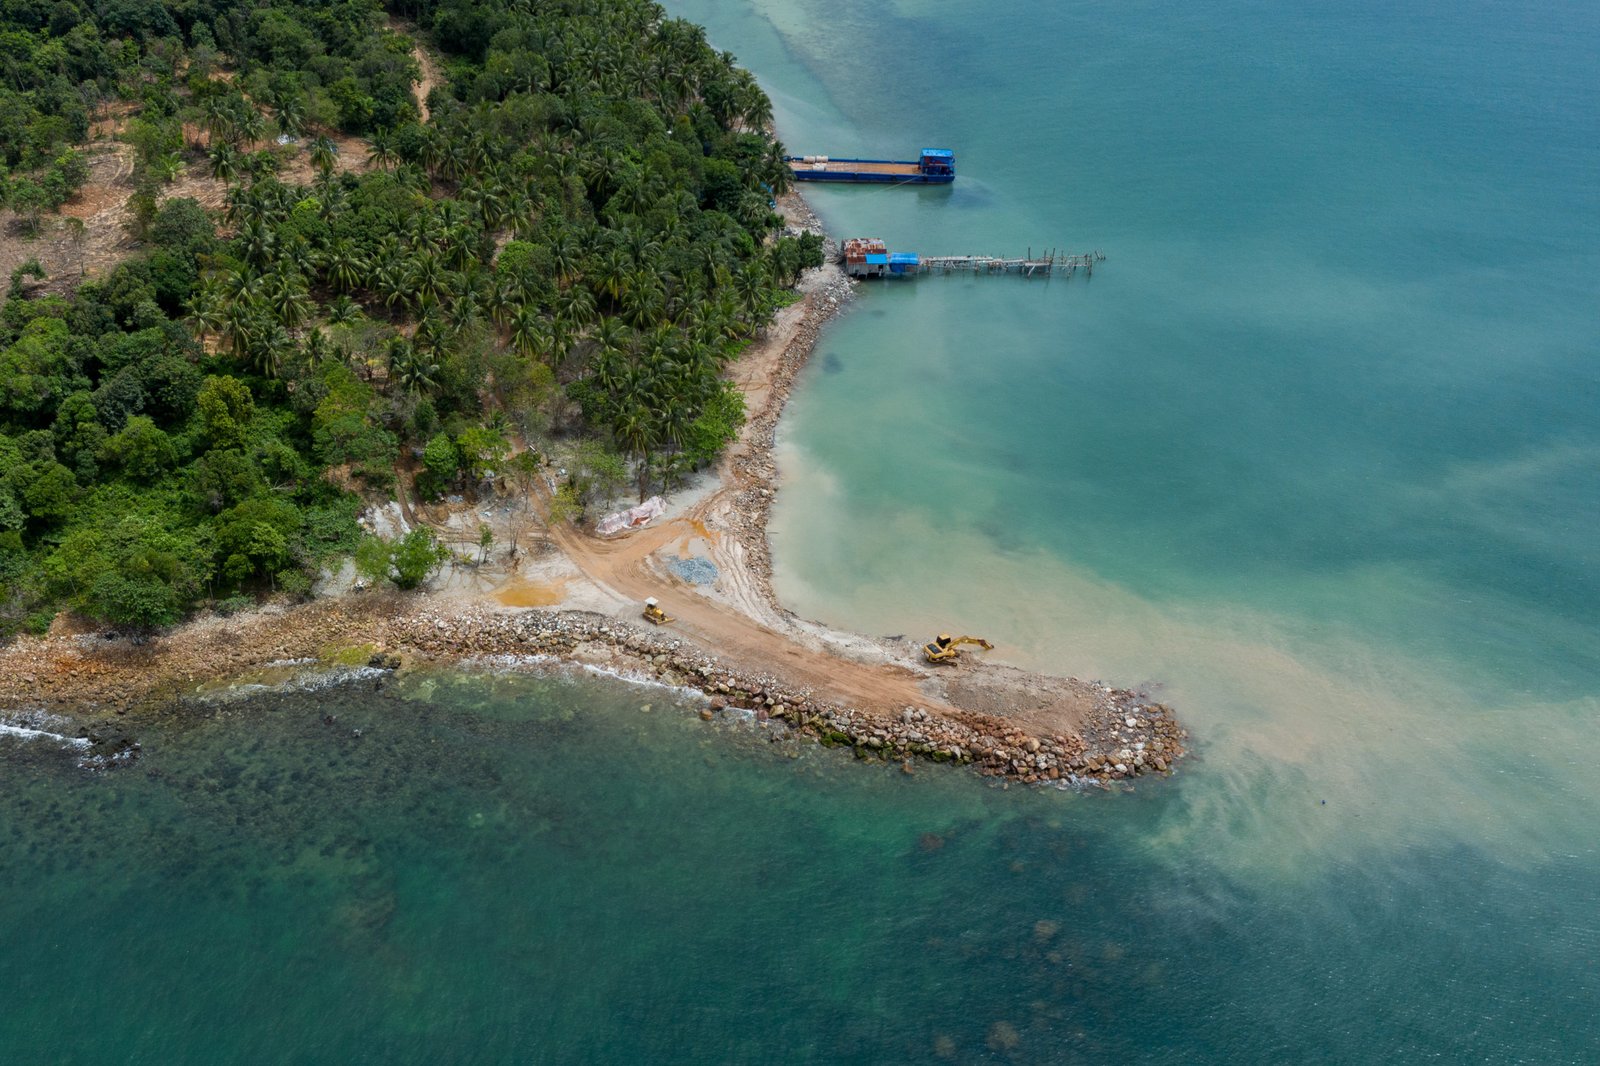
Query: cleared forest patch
pixel 90 235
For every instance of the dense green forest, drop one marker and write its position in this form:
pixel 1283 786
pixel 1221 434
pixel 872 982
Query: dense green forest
pixel 565 254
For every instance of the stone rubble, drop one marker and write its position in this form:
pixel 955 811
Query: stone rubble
pixel 88 677
pixel 751 466
pixel 1111 750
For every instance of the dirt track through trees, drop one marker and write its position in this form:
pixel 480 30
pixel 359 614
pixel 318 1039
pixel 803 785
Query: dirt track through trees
pixel 430 76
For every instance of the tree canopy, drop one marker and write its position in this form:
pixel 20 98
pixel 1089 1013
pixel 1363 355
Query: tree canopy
pixel 575 243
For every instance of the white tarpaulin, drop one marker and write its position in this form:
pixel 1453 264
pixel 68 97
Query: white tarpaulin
pixel 633 517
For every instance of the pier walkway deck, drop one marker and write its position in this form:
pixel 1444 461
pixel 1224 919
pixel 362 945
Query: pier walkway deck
pixel 869 257
pixel 1028 265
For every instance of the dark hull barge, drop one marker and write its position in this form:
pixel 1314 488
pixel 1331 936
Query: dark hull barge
pixel 935 166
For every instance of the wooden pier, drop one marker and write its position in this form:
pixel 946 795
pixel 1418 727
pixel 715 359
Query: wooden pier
pixel 869 257
pixel 1028 266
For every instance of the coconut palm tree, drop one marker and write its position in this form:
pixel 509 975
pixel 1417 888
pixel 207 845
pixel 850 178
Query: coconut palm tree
pixel 531 335
pixel 380 150
pixel 522 211
pixel 286 297
pixel 461 246
pixel 249 126
pixel 291 113
pixel 216 118
pixel 258 241
pixel 637 430
pixel 755 108
pixel 499 302
pixel 224 160
pixel 241 325
pixel 463 315
pixel 612 273
pixel 775 172
pixel 241 287
pixel 429 280
pixel 415 371
pixel 644 300
pixel 642 247
pixel 576 306
pixel 413 177
pixel 317 346
pixel 343 311
pixel 333 198
pixel 342 265
pixel 392 281
pixel 206 311
pixel 612 336
pixel 750 283
pixel 259 165
pixel 567 258
pixel 270 349
pixel 324 154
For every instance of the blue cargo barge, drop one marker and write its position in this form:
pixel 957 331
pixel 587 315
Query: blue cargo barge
pixel 935 166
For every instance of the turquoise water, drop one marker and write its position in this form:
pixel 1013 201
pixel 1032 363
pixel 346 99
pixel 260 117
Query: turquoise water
pixel 1313 451
pixel 1316 448
pixel 515 869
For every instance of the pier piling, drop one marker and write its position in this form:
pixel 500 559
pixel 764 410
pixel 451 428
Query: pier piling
pixel 1046 265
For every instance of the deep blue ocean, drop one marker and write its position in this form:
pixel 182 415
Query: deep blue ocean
pixel 1315 455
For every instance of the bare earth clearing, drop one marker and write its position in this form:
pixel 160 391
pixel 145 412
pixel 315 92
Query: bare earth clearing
pixel 69 254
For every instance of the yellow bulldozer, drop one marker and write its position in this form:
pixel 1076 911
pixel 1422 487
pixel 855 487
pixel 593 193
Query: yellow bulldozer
pixel 947 649
pixel 654 614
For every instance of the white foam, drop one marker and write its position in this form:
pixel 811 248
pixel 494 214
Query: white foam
pixel 328 678
pixel 26 733
pixel 555 664
pixel 309 681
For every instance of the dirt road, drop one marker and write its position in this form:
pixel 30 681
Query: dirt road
pixel 430 70
pixel 624 567
pixel 739 619
pixel 739 622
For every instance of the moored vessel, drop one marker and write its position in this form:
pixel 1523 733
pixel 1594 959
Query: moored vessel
pixel 933 166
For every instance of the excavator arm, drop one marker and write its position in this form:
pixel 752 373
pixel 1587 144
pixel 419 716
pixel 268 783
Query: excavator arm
pixel 947 649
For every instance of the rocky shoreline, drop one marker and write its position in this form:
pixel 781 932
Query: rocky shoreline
pixel 108 684
pixel 751 464
pixel 1132 735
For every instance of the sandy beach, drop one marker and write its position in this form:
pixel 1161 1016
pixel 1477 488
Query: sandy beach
pixel 577 596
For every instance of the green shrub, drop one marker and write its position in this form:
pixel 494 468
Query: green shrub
pixel 441 461
pixel 295 583
pixel 234 604
pixel 407 562
pixel 417 557
pixel 372 559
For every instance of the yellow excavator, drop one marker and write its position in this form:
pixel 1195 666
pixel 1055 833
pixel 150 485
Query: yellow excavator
pixel 947 649
pixel 654 614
